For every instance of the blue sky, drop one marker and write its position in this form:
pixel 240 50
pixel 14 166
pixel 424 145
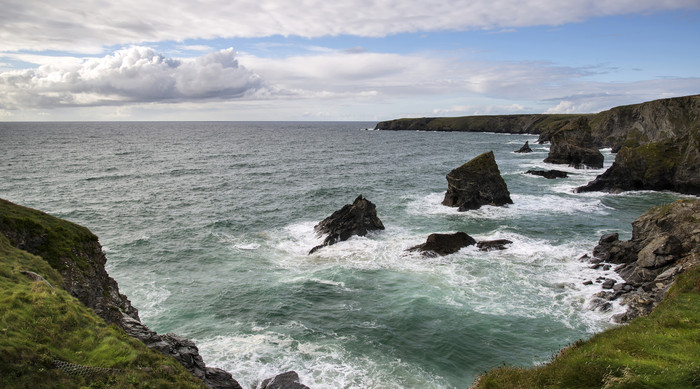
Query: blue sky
pixel 355 60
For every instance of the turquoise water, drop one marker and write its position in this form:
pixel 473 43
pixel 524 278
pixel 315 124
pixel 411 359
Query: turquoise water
pixel 207 226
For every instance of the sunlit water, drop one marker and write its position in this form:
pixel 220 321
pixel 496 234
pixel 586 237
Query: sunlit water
pixel 207 227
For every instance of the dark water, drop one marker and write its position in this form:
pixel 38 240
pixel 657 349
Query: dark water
pixel 207 226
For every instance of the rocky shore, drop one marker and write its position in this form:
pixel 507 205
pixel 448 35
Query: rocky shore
pixel 657 142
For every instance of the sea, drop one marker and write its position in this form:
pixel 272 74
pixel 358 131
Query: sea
pixel 207 228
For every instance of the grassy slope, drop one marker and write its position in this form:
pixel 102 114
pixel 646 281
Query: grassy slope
pixel 658 351
pixel 39 323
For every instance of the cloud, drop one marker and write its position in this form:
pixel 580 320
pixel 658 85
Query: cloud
pixel 87 26
pixel 132 75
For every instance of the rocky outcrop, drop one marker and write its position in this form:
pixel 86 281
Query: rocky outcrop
pixel 549 174
pixel 525 149
pixel 672 164
pixel 77 254
pixel 444 244
pixel 573 145
pixel 665 242
pixel 476 183
pixel 287 380
pixel 357 218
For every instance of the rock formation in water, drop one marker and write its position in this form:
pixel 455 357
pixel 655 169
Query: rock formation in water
pixel 525 149
pixel 443 244
pixel 287 380
pixel 665 242
pixel 549 174
pixel 496 244
pixel 357 218
pixel 476 183
pixel 573 145
pixel 76 253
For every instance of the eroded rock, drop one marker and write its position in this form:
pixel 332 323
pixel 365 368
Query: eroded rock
pixel 573 146
pixel 357 218
pixel 443 244
pixel 476 183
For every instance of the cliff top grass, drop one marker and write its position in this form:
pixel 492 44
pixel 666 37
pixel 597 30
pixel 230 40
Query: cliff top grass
pixel 60 237
pixel 661 350
pixel 40 323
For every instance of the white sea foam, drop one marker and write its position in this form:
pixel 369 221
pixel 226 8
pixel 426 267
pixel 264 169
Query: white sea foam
pixel 252 358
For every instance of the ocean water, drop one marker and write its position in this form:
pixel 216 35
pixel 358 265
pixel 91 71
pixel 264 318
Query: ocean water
pixel 207 226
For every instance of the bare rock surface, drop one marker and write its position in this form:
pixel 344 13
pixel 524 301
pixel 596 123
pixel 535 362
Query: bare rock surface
pixel 476 183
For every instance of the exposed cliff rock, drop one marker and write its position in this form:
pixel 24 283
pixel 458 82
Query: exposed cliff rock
pixel 672 164
pixel 287 380
pixel 444 244
pixel 76 253
pixel 357 218
pixel 665 242
pixel 476 183
pixel 573 145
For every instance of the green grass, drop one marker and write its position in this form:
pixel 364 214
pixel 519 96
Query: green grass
pixel 59 240
pixel 39 323
pixel 658 351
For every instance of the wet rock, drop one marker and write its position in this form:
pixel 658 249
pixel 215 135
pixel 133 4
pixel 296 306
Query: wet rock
pixel 573 145
pixel 525 149
pixel 549 174
pixel 287 380
pixel 476 183
pixel 665 242
pixel 608 284
pixel 444 244
pixel 497 244
pixel 357 218
pixel 588 282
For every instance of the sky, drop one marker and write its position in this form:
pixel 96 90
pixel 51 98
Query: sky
pixel 350 60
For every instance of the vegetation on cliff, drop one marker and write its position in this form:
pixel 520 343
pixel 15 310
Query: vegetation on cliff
pixel 657 351
pixel 41 323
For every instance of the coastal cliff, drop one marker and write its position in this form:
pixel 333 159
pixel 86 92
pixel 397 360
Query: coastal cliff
pixel 69 258
pixel 657 142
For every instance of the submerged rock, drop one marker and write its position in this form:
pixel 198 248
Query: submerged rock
pixel 573 145
pixel 489 245
pixel 476 183
pixel 549 174
pixel 443 244
pixel 357 218
pixel 525 149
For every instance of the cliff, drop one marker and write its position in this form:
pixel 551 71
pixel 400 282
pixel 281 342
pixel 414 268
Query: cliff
pixel 657 142
pixel 658 349
pixel 69 258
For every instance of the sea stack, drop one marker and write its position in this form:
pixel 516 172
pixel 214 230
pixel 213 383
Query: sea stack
pixel 573 145
pixel 525 149
pixel 476 183
pixel 353 219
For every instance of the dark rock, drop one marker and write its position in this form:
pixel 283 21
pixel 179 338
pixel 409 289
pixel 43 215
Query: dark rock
pixel 525 149
pixel 476 183
pixel 588 282
pixel 665 242
pixel 573 146
pixel 352 219
pixel 549 174
pixel 488 245
pixel 608 284
pixel 288 380
pixel 443 244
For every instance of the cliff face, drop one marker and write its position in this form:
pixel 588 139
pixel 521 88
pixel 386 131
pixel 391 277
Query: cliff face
pixel 510 124
pixel 573 146
pixel 76 254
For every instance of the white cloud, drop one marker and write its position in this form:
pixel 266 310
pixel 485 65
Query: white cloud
pixel 132 75
pixel 88 26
